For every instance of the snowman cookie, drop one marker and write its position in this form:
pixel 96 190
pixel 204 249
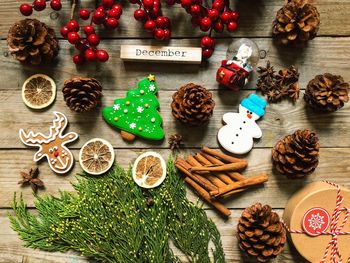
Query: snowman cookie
pixel 236 136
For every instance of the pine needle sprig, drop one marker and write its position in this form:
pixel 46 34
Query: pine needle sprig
pixel 108 219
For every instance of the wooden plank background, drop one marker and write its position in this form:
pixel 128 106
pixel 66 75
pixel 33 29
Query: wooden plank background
pixel 329 52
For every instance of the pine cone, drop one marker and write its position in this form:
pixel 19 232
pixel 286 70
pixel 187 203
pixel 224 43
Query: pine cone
pixel 192 104
pixel 296 155
pixel 33 42
pixel 327 92
pixel 82 94
pixel 296 23
pixel 261 233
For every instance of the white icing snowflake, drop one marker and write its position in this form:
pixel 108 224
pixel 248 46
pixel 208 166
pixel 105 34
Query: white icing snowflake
pixel 139 109
pixel 152 87
pixel 116 107
pixel 132 125
pixel 316 221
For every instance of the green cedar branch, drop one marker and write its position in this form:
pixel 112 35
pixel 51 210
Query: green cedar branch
pixel 108 219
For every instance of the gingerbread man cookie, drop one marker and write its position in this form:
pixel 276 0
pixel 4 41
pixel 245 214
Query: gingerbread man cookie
pixel 52 147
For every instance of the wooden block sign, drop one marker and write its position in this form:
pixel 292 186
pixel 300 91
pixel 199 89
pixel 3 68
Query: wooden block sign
pixel 188 55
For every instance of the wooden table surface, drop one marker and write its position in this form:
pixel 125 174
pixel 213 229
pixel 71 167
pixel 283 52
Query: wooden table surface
pixel 329 52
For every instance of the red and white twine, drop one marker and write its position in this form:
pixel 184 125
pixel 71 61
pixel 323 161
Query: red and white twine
pixel 335 230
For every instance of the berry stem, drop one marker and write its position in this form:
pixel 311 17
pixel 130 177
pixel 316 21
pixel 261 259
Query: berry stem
pixel 74 4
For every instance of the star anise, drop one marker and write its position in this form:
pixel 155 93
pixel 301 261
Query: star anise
pixel 175 142
pixel 278 85
pixel 31 178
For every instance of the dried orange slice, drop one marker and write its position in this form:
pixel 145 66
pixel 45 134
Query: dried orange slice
pixel 149 170
pixel 39 91
pixel 96 156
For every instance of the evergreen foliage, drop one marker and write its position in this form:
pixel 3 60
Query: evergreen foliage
pixel 108 219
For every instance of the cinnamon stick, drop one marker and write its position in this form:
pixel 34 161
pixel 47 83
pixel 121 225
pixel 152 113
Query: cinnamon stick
pixel 233 192
pixel 221 168
pixel 223 177
pixel 205 195
pixel 221 155
pixel 209 186
pixel 240 184
pixel 234 175
pixel 216 181
pixel 188 166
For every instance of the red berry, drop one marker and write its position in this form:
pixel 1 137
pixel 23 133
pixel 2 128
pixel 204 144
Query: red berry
pixel 107 3
pixel 90 55
pixel 166 21
pixel 186 3
pixel 88 29
pixel 102 55
pixel 161 22
pixel 81 45
pixel 73 37
pixel 100 9
pixel 73 25
pixel 149 25
pixel 78 59
pixel 167 33
pixel 56 5
pixel 112 23
pixel 118 8
pixel 64 31
pixel 213 14
pixel 148 4
pixel 26 9
pixel 195 10
pixel 155 11
pixel 205 23
pixel 114 13
pixel 139 14
pixel 98 16
pixel 207 42
pixel 225 17
pixel 84 14
pixel 39 5
pixel 93 39
pixel 231 26
pixel 218 5
pixel 234 15
pixel 159 34
pixel 207 52
pixel 218 27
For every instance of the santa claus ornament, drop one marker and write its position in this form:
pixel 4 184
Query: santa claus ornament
pixel 241 57
pixel 236 136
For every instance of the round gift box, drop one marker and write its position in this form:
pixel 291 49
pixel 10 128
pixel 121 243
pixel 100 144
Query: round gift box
pixel 320 198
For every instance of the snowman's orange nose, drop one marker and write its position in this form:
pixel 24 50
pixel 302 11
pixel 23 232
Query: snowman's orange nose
pixel 56 153
pixel 249 116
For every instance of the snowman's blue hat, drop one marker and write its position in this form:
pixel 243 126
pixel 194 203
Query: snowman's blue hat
pixel 255 104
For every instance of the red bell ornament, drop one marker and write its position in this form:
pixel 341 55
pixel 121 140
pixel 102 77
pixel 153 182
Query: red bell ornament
pixel 241 57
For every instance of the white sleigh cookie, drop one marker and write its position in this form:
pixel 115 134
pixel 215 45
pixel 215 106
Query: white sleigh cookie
pixel 52 147
pixel 240 129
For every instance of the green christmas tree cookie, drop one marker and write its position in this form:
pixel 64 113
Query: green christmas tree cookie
pixel 137 114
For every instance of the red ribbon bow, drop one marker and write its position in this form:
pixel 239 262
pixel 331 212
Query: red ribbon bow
pixel 335 229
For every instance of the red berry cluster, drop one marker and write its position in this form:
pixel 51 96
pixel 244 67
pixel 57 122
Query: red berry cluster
pixel 107 14
pixel 39 5
pixel 149 12
pixel 208 19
